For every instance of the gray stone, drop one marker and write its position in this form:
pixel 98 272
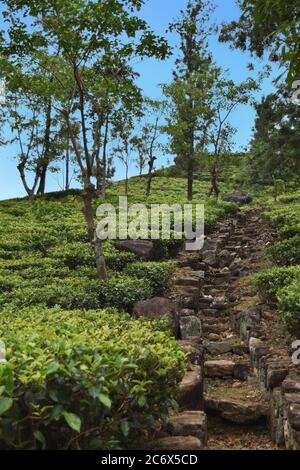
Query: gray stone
pixel 144 249
pixel 158 307
pixel 225 258
pixel 194 349
pixel 190 326
pixel 189 423
pixel 209 257
pixel 238 197
pixel 191 390
pixel 238 412
pixel 222 347
pixel 174 443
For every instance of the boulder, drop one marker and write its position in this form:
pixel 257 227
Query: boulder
pixel 156 308
pixel 238 197
pixel 143 249
pixel 190 326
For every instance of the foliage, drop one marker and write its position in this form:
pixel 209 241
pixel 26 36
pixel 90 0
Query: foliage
pixel 83 380
pixel 158 274
pixel 271 281
pixel 289 303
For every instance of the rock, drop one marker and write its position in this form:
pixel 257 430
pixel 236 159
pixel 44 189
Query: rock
pixel 225 369
pixel 219 368
pixel 238 412
pixel 225 258
pixel 294 416
pixel 238 197
pixel 174 443
pixel 222 347
pixel 158 307
pixel 194 348
pixel 236 266
pixel 191 390
pixel 214 337
pixel 143 249
pixel 190 326
pixel 276 375
pixel 187 312
pixel 209 257
pixel 189 423
pixel 249 320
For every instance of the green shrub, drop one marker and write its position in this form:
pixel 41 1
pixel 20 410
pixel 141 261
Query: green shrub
pixel 158 274
pixel 269 282
pixel 286 252
pixel 73 293
pixel 289 304
pixel 78 380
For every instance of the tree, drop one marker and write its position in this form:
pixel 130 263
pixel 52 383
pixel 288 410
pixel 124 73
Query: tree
pixel 123 133
pixel 268 25
pixel 225 98
pixel 275 146
pixel 69 39
pixel 189 93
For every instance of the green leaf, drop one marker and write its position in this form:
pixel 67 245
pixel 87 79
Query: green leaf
pixel 105 400
pixel 5 405
pixel 40 437
pixel 72 420
pixel 142 401
pixel 52 368
pixel 125 427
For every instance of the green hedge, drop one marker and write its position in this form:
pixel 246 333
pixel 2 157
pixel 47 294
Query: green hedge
pixel 286 252
pixel 269 282
pixel 289 304
pixel 158 274
pixel 77 380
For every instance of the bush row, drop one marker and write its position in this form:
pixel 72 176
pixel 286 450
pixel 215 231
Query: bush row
pixel 83 380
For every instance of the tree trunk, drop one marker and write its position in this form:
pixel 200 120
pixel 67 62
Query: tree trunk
pixel 46 156
pixel 67 168
pixel 126 181
pixel 104 158
pixel 42 185
pixel 150 176
pixel 190 184
pixel 88 196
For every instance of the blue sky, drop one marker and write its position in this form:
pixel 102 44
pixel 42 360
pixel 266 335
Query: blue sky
pixel 159 13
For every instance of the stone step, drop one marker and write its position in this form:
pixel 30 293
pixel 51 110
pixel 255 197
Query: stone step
pixel 226 369
pixel 191 390
pixel 238 412
pixel 224 347
pixel 190 326
pixel 188 281
pixel 178 443
pixel 189 423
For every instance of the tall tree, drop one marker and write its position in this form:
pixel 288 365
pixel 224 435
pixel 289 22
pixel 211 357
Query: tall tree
pixel 69 38
pixel 188 93
pixel 275 146
pixel 225 98
pixel 268 25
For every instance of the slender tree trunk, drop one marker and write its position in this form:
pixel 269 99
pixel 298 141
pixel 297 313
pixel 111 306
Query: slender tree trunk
pixel 104 158
pixel 149 177
pixel 126 180
pixel 190 184
pixel 42 185
pixel 88 196
pixel 46 157
pixel 67 168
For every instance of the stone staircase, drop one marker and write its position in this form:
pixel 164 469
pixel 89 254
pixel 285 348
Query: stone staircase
pixel 230 397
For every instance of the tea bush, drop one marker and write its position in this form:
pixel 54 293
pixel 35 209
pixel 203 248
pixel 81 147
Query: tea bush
pixel 158 274
pixel 90 380
pixel 286 252
pixel 269 282
pixel 289 304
